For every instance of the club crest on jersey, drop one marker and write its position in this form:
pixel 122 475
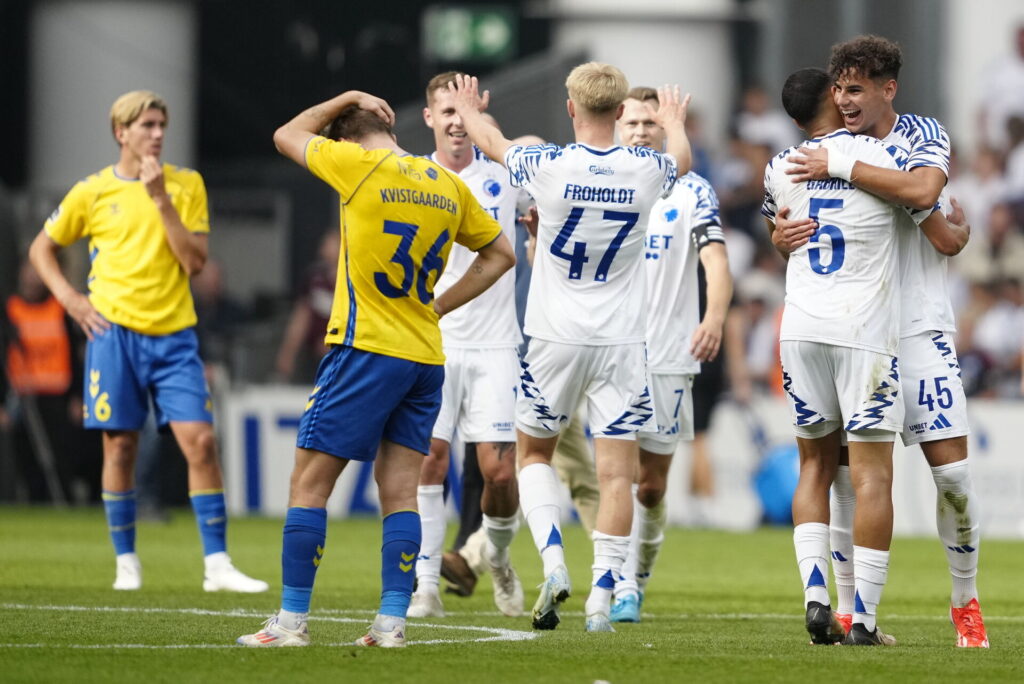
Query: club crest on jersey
pixel 431 173
pixel 54 215
pixel 671 214
pixel 601 170
pixel 492 187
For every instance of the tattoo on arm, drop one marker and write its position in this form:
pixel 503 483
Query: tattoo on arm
pixel 478 269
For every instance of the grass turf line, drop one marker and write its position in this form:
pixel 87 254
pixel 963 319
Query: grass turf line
pixel 722 607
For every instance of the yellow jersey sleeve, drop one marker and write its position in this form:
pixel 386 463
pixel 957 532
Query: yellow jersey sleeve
pixel 69 221
pixel 195 213
pixel 478 228
pixel 342 165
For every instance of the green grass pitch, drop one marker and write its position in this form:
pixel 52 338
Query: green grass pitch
pixel 721 607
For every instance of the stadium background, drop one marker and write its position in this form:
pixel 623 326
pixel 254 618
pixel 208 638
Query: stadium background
pixel 233 71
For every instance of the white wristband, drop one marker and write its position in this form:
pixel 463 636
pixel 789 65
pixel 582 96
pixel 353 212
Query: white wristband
pixel 840 165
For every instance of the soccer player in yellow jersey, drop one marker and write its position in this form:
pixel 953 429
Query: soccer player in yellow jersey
pixel 146 222
pixel 377 392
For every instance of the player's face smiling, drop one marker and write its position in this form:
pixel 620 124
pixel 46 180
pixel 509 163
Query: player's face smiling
pixel 637 127
pixel 449 135
pixel 145 135
pixel 863 102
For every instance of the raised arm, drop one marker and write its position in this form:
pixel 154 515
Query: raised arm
pixel 291 138
pixel 469 105
pixel 190 249
pixel 671 116
pixel 490 264
pixel 918 188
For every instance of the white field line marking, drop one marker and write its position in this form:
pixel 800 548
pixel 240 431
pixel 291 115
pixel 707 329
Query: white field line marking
pixel 492 633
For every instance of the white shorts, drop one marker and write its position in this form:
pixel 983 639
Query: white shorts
pixel 479 395
pixel 556 377
pixel 673 413
pixel 936 407
pixel 855 389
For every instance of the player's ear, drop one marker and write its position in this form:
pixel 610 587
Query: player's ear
pixel 889 89
pixel 570 107
pixel 620 110
pixel 427 118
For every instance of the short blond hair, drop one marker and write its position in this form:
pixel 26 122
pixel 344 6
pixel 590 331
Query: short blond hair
pixel 599 88
pixel 130 106
pixel 440 82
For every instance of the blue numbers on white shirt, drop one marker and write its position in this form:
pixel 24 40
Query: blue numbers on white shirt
pixel 578 256
pixel 834 234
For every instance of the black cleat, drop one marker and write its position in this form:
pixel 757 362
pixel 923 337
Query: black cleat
pixel 822 625
pixel 860 636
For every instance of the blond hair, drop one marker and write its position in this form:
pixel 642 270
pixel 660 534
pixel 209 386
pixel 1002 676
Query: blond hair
pixel 598 88
pixel 440 82
pixel 643 93
pixel 130 106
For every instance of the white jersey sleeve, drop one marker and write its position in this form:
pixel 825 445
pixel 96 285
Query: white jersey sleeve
pixel 489 320
pixel 842 286
pixel 925 302
pixel 587 285
pixel 680 226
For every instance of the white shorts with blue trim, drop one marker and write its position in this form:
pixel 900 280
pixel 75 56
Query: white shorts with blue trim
pixel 673 413
pixel 855 389
pixel 612 379
pixel 936 406
pixel 479 395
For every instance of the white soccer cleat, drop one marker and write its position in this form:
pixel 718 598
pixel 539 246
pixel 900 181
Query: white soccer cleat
pixel 221 575
pixel 129 573
pixel 426 603
pixel 553 593
pixel 376 638
pixel 508 590
pixel 599 622
pixel 274 635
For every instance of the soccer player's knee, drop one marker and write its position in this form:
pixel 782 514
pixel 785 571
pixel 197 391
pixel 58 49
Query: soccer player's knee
pixel 650 494
pixel 202 447
pixel 120 450
pixel 502 478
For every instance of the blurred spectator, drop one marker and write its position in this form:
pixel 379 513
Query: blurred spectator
pixel 1000 254
pixel 41 354
pixel 752 334
pixel 740 186
pixel 698 145
pixel 1015 159
pixel 978 190
pixel 1002 94
pixel 219 318
pixel 757 123
pixel 991 333
pixel 303 344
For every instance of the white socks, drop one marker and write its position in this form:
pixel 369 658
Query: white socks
pixel 843 505
pixel 628 584
pixel 290 620
pixel 811 543
pixel 870 567
pixel 957 517
pixel 430 499
pixel 538 499
pixel 652 534
pixel 500 532
pixel 609 555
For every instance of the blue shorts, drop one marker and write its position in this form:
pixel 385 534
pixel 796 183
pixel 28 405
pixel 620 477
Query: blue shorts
pixel 123 368
pixel 360 398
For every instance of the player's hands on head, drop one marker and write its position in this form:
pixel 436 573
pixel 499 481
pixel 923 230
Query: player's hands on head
pixel 672 107
pixel 378 106
pixel 791 233
pixel 88 318
pixel 151 173
pixel 808 164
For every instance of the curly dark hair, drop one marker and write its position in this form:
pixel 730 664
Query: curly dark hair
pixel 872 57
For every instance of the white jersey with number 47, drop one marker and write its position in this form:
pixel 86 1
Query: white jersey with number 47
pixel 587 285
pixel 842 286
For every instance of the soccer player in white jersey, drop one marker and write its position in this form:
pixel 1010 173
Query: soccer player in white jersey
pixel 864 71
pixel 585 312
pixel 682 228
pixel 481 376
pixel 838 342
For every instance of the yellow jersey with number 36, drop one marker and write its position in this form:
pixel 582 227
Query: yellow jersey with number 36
pixel 134 278
pixel 400 216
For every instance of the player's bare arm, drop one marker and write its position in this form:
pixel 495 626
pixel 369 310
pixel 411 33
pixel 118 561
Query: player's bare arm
pixel 43 255
pixel 918 188
pixel 470 104
pixel 190 249
pixel 490 263
pixel 948 234
pixel 671 116
pixel 530 220
pixel 291 138
pixel 787 234
pixel 707 338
